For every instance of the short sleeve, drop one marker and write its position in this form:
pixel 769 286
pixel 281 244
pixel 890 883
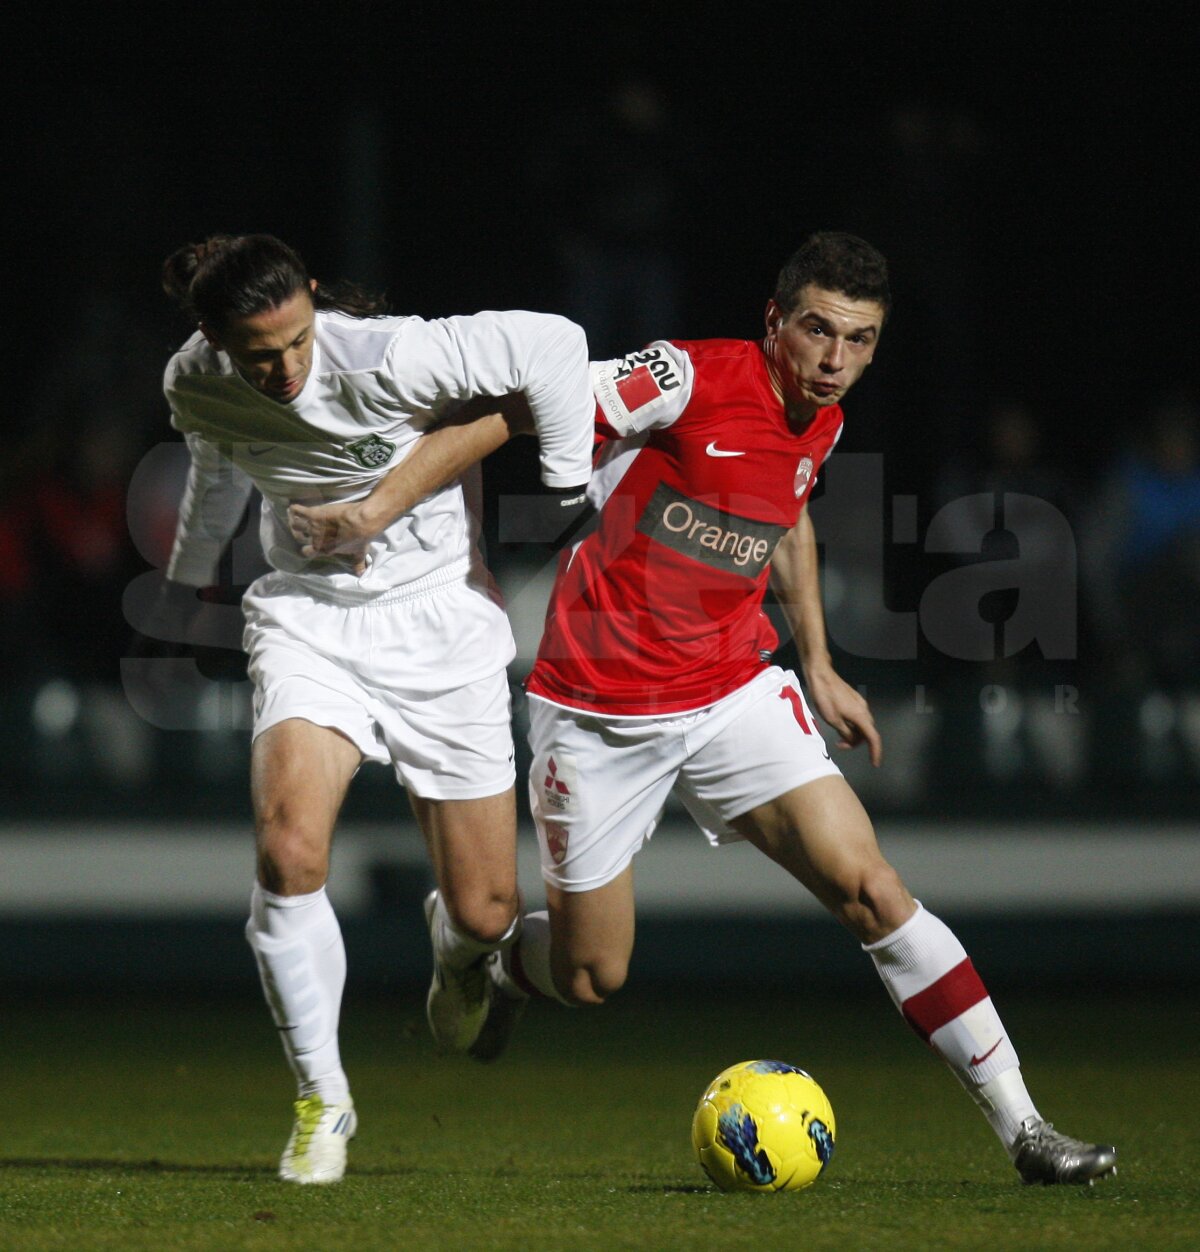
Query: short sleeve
pixel 647 390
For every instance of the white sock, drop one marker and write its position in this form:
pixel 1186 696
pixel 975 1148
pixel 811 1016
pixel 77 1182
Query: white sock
pixel 934 985
pixel 527 962
pixel 302 963
pixel 458 950
pixel 1006 1104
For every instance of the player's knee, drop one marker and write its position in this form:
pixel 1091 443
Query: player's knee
pixel 594 982
pixel 486 917
pixel 875 901
pixel 290 860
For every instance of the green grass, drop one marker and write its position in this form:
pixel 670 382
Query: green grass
pixel 158 1126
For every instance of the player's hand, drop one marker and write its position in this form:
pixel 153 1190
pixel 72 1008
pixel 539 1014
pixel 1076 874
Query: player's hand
pixel 340 530
pixel 844 709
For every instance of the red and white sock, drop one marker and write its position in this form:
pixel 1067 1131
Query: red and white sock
pixel 297 943
pixel 934 985
pixel 527 963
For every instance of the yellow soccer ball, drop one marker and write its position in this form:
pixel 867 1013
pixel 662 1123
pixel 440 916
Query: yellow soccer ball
pixel 763 1126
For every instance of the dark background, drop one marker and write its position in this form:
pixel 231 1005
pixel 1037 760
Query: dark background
pixel 1027 170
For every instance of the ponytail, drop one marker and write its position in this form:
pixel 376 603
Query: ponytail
pixel 229 276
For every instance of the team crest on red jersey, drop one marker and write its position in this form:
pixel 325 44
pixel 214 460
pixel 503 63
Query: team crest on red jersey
pixel 556 841
pixel 804 473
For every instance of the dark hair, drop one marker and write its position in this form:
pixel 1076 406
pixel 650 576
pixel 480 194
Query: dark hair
pixel 835 261
pixel 230 276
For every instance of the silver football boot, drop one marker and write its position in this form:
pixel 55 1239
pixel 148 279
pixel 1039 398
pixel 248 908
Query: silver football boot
pixel 1043 1155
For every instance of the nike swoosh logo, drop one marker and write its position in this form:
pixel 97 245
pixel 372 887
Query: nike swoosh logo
pixel 259 451
pixel 979 1060
pixel 713 450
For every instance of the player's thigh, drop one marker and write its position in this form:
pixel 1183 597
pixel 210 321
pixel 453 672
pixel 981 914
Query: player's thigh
pixel 299 773
pixel 752 746
pixel 472 846
pixel 821 834
pixel 592 936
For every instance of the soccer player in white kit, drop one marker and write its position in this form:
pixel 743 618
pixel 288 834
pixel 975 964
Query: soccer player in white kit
pixel 392 648
pixel 654 673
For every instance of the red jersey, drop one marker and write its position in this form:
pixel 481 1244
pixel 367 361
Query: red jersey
pixel 699 475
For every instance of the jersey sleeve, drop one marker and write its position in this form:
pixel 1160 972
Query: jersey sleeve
pixel 542 355
pixel 647 390
pixel 212 506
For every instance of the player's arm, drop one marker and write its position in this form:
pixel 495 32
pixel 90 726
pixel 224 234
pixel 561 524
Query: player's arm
pixel 437 458
pixel 214 502
pixel 541 355
pixel 528 371
pixel 796 581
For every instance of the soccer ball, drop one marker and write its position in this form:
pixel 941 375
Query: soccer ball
pixel 763 1126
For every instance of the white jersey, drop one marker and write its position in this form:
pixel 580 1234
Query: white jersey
pixel 376 384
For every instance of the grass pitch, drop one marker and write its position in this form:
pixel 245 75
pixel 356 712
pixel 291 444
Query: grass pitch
pixel 158 1126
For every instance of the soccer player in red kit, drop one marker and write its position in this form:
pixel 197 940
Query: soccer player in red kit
pixel 654 673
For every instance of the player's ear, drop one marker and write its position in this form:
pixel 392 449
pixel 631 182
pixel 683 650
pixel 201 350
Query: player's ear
pixel 210 335
pixel 773 318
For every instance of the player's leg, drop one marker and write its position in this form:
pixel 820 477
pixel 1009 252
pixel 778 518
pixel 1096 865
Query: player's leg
pixel 453 752
pixel 299 776
pixel 590 942
pixel 474 911
pixel 472 846
pixel 596 787
pixel 820 833
pixel 576 951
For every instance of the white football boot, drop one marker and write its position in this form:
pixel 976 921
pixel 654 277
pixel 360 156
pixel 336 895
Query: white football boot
pixel 316 1152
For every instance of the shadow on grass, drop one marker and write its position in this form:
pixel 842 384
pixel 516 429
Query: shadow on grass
pixel 155 1166
pixel 86 1164
pixel 643 1188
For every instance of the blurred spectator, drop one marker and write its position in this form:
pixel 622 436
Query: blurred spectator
pixel 1006 454
pixel 1006 458
pixel 65 558
pixel 66 553
pixel 1142 553
pixel 1002 500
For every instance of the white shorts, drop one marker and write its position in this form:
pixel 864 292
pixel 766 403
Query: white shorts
pixel 598 784
pixel 417 680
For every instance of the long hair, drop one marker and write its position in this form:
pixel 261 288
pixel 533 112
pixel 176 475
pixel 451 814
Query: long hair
pixel 229 276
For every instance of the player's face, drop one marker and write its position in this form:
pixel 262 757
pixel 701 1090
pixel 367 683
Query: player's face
pixel 272 350
pixel 819 350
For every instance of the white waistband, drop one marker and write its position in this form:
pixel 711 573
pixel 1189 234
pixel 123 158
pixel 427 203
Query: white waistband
pixel 449 575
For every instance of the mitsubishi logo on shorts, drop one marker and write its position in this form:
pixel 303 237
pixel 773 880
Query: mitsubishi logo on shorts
pixel 558 794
